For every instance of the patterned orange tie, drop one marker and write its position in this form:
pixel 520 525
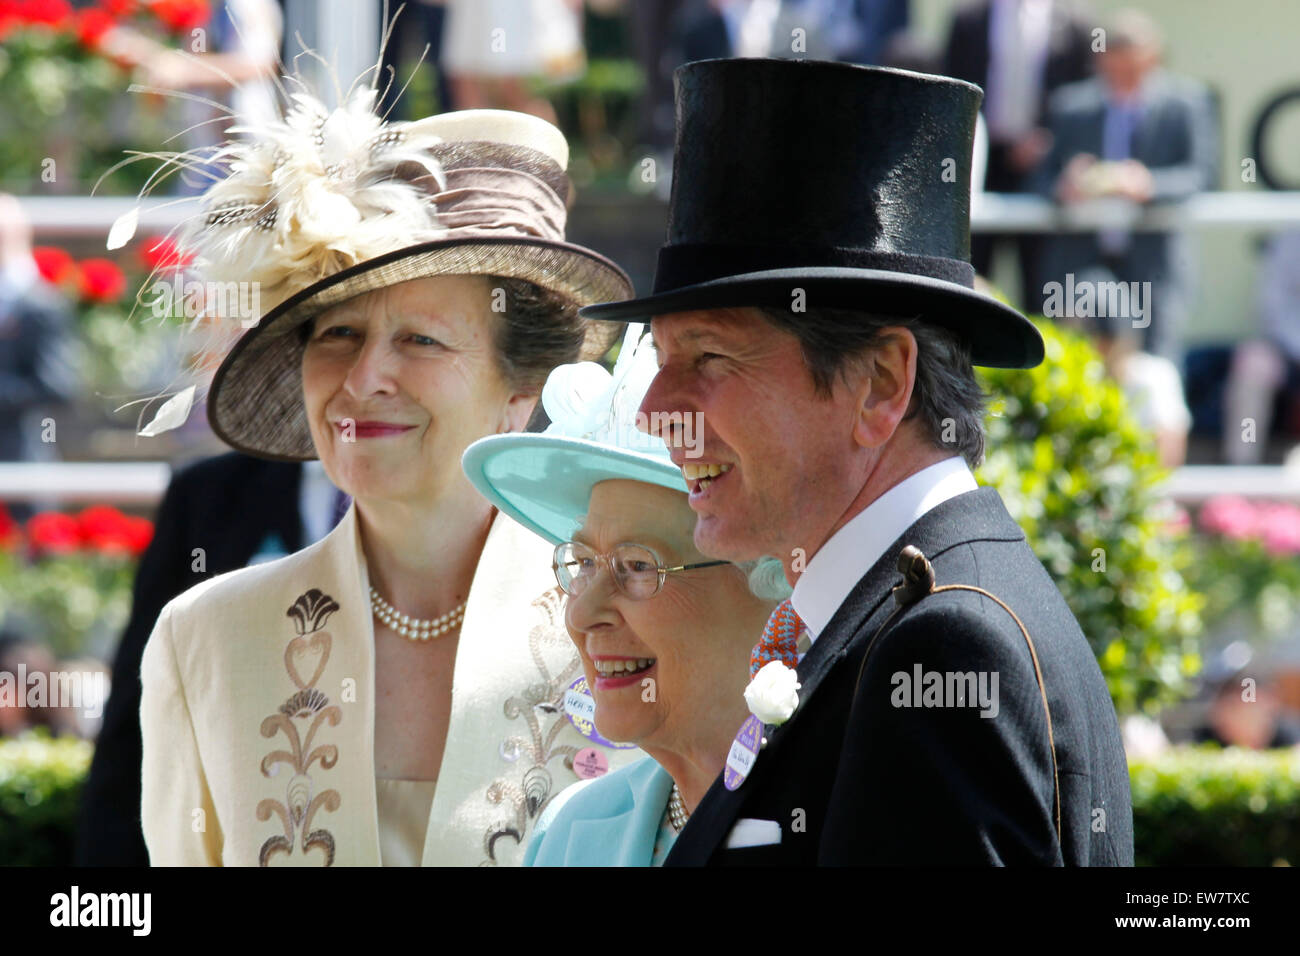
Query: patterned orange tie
pixel 780 639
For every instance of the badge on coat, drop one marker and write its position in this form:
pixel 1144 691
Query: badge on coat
pixel 744 753
pixel 580 708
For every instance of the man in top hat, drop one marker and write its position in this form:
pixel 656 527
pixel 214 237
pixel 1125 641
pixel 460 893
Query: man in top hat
pixel 814 312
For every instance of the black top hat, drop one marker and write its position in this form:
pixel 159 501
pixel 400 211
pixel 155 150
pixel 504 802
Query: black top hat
pixel 851 183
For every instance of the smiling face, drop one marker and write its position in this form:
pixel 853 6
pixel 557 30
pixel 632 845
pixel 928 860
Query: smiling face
pixel 399 381
pixel 787 465
pixel 691 641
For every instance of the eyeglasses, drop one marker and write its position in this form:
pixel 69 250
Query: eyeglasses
pixel 637 571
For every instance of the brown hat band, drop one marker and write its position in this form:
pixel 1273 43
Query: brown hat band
pixel 496 201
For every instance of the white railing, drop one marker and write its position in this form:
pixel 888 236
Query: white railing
pixel 1195 483
pixel 144 482
pixel 1001 212
pixel 126 483
pixel 990 212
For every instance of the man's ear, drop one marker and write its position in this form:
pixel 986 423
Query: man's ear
pixel 885 389
pixel 515 415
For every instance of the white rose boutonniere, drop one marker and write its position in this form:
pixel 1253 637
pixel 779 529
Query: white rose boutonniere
pixel 772 694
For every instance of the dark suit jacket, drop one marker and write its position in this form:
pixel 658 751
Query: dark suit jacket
pixel 853 779
pixel 1069 59
pixel 226 505
pixel 1176 140
pixel 37 362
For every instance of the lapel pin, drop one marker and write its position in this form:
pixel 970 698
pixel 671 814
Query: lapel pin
pixel 743 753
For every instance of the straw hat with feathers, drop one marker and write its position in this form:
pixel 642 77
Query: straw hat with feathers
pixel 322 205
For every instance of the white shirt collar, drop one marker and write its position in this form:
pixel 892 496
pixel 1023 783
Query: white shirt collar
pixel 851 551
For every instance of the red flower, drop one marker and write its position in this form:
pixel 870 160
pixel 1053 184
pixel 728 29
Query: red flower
pixel 139 534
pixel 50 13
pixel 163 254
pixel 110 531
pixel 92 24
pixel 55 265
pixel 104 529
pixel 53 532
pixel 10 533
pixel 120 8
pixel 101 280
pixel 8 18
pixel 181 16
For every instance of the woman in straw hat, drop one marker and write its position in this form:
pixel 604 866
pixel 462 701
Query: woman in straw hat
pixel 665 634
pixel 394 693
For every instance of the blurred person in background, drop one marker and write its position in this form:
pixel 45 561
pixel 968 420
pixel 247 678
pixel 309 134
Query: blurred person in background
pixel 1019 52
pixel 236 62
pixel 1264 366
pixel 1243 709
pixel 692 30
pixel 20 660
pixel 669 33
pixel 1151 383
pixel 706 31
pixel 38 362
pixel 236 511
pixel 654 26
pixel 852 31
pixel 1257 722
pixel 880 24
pixel 491 49
pixel 83 716
pixel 417 31
pixel 1136 133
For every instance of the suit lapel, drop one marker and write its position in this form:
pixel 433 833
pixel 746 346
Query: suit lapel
pixel 973 516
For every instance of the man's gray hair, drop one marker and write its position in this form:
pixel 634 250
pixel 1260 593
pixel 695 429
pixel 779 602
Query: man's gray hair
pixel 946 397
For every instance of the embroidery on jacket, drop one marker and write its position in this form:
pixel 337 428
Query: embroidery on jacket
pixel 541 706
pixel 307 654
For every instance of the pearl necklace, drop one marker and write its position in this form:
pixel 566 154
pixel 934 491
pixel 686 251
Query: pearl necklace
pixel 413 627
pixel 677 812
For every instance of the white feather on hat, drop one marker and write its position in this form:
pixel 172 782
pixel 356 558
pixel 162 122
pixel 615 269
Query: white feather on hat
pixel 309 195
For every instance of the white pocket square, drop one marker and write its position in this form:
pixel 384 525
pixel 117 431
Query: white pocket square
pixel 750 832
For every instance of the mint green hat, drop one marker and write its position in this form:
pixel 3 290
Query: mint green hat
pixel 544 481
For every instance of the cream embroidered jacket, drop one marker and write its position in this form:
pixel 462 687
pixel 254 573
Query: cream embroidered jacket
pixel 258 713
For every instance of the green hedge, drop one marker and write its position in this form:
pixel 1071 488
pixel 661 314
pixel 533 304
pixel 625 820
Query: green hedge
pixel 1081 477
pixel 40 787
pixel 1194 806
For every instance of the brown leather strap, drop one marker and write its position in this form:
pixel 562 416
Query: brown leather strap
pixel 918 581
